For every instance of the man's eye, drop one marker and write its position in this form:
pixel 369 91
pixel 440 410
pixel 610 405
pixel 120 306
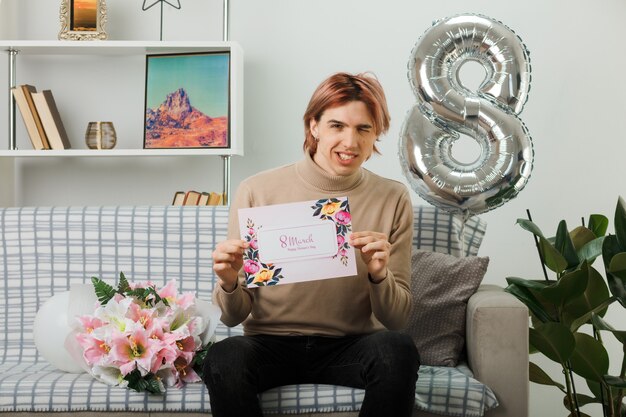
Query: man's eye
pixel 336 126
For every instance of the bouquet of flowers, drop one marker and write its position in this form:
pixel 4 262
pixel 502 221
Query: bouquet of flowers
pixel 143 337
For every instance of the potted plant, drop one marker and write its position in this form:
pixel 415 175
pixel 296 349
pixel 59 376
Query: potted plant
pixel 567 310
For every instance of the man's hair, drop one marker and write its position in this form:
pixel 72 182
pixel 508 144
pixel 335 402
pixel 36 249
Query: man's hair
pixel 342 88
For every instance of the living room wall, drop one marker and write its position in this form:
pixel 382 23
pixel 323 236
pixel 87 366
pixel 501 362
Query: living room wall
pixel 574 112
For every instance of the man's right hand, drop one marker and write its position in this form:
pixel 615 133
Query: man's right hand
pixel 227 261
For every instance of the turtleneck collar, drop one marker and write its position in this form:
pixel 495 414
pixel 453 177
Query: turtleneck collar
pixel 318 178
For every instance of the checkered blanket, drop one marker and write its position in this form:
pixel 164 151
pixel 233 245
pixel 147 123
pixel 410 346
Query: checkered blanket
pixel 43 250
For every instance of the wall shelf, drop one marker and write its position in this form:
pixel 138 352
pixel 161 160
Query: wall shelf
pixel 104 153
pixel 15 48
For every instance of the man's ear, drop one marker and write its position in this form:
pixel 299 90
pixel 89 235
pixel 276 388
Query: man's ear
pixel 313 127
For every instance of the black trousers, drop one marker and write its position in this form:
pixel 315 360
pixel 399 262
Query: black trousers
pixel 384 364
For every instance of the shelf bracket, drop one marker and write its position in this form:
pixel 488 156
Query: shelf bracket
pixel 226 187
pixel 12 83
pixel 226 34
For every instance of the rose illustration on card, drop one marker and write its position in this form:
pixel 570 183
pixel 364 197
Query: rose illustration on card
pixel 297 242
pixel 337 211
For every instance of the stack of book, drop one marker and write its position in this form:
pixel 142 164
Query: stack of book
pixel 196 198
pixel 41 117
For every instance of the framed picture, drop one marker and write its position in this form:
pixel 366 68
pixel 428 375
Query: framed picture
pixel 83 20
pixel 187 101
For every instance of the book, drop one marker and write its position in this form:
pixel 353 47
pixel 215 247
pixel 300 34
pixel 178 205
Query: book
pixel 204 199
pixel 179 198
pixel 191 198
pixel 28 93
pixel 51 120
pixel 23 99
pixel 216 199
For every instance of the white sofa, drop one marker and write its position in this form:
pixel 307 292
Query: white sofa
pixel 43 250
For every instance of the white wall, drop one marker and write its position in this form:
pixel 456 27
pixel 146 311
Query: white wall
pixel 575 112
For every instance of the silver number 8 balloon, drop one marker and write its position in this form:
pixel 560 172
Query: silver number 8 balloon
pixel 446 108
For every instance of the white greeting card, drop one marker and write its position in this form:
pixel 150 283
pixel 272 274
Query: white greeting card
pixel 297 242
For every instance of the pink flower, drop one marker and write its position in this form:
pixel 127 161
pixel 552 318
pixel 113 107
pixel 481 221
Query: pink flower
pixel 142 284
pixel 340 240
pixel 90 323
pixel 169 291
pixel 250 266
pixel 94 350
pixel 186 300
pixel 133 351
pixel 143 316
pixel 251 231
pixel 185 372
pixel 343 217
pixel 342 252
pixel 168 353
pixel 186 348
pixel 156 332
pixel 254 244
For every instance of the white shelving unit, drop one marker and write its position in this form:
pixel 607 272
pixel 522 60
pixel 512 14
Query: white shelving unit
pixel 111 49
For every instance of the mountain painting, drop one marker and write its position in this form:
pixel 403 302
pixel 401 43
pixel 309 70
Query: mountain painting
pixel 187 101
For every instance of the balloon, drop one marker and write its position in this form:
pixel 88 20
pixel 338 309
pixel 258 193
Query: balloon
pixel 445 109
pixel 50 331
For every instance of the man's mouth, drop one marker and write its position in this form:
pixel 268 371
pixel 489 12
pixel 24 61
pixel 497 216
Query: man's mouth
pixel 346 156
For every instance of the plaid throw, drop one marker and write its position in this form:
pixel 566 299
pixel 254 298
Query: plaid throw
pixel 43 250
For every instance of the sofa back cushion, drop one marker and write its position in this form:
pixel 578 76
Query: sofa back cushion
pixel 439 231
pixel 45 249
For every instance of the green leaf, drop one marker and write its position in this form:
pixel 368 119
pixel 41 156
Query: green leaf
pixel 563 243
pixel 616 275
pixel 620 222
pixel 591 250
pixel 590 359
pixel 578 415
pixel 523 294
pixel 538 376
pixel 140 383
pixel 617 265
pixel 601 324
pixel 585 318
pixel 104 291
pixel 123 285
pixel 610 248
pixel 580 236
pixel 552 258
pixel 530 226
pixel 598 224
pixel 570 285
pixel 535 284
pixel 197 363
pixel 615 381
pixel 553 340
pixel 599 391
pixel 594 295
pixel 582 401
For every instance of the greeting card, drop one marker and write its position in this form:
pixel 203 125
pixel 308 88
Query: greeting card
pixel 297 242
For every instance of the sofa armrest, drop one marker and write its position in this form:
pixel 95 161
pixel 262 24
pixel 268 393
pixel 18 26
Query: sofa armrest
pixel 497 348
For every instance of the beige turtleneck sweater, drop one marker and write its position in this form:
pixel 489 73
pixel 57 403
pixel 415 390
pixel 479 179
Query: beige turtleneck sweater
pixel 328 307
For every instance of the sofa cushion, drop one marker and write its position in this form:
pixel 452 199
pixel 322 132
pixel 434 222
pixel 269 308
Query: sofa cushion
pixel 441 285
pixel 439 231
pixel 32 387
